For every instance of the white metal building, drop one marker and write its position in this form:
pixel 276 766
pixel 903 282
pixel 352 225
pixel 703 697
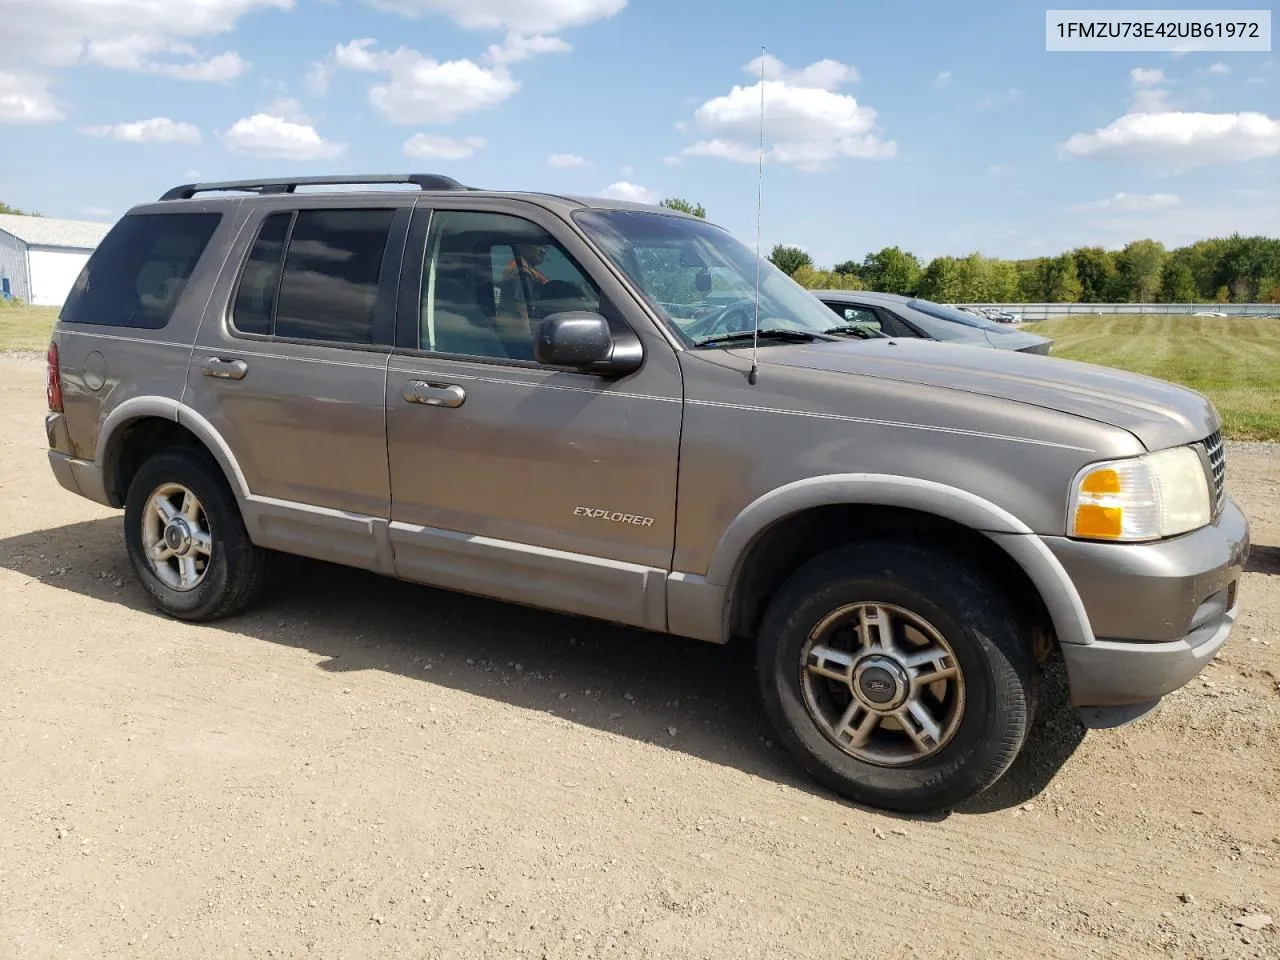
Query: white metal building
pixel 40 257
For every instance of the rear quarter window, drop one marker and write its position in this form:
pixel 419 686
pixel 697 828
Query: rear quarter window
pixel 138 273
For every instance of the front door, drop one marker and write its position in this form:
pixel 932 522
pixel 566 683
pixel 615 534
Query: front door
pixel 514 480
pixel 293 376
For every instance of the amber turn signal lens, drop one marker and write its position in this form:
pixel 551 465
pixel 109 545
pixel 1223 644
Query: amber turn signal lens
pixel 1105 523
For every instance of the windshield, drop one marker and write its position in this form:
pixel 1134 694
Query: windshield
pixel 700 279
pixel 954 314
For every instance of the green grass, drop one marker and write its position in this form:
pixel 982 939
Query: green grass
pixel 1234 361
pixel 26 328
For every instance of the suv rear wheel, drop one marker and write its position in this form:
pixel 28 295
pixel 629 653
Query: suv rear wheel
pixel 187 540
pixel 895 676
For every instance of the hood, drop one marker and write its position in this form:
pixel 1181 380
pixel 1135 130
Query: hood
pixel 1158 413
pixel 1017 340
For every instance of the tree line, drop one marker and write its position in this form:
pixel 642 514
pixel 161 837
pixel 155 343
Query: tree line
pixel 1232 269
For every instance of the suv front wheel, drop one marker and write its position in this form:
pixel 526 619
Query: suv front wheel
pixel 187 540
pixel 895 676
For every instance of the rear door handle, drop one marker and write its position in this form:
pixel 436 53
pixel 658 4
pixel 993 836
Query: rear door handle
pixel 225 369
pixel 434 394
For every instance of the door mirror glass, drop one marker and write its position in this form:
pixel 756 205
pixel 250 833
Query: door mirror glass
pixel 574 339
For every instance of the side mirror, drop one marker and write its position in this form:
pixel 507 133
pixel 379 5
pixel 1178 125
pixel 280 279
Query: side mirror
pixel 584 341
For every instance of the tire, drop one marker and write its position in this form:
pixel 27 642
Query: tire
pixel 229 574
pixel 983 720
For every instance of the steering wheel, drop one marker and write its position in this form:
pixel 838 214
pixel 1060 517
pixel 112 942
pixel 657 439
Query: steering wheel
pixel 719 322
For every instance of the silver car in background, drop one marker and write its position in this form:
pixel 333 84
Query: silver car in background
pixel 902 316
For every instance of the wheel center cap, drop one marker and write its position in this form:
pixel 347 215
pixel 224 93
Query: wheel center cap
pixel 881 683
pixel 177 536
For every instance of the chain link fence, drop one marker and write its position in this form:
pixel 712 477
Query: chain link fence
pixel 1047 311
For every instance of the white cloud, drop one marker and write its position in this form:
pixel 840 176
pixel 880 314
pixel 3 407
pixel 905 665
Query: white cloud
pixel 154 130
pixel 623 190
pixel 673 161
pixel 147 36
pixel 566 160
pixel 682 125
pixel 519 46
pixel 810 125
pixel 626 171
pixel 426 146
pixel 263 135
pixel 521 16
pixel 25 98
pixel 999 170
pixel 286 108
pixel 1149 96
pixel 942 79
pixel 424 90
pixel 822 74
pixel 1219 68
pixel 1182 140
pixel 97 213
pixel 223 68
pixel 1146 78
pixel 1133 202
pixel 723 150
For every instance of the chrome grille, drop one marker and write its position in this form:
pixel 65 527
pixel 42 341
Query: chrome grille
pixel 1218 469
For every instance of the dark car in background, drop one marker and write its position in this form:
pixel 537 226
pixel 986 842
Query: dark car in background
pixel 902 316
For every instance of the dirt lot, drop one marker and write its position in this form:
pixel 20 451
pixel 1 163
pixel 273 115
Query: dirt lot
pixel 364 768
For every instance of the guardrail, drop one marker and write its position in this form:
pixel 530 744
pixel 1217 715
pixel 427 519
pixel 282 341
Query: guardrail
pixel 1047 311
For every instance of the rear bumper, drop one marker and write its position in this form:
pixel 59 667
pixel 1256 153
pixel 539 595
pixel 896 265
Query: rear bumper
pixel 79 476
pixel 1159 612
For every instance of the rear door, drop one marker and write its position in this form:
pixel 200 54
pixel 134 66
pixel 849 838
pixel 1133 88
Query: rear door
pixel 510 479
pixel 291 371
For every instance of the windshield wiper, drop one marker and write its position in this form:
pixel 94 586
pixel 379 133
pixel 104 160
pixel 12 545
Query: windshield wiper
pixel 854 330
pixel 779 333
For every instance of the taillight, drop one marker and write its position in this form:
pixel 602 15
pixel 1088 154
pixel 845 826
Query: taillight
pixel 53 380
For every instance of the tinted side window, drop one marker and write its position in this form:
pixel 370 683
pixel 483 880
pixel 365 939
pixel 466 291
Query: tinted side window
pixel 255 303
pixel 489 279
pixel 329 287
pixel 137 274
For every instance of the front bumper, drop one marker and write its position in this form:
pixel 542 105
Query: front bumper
pixel 1159 612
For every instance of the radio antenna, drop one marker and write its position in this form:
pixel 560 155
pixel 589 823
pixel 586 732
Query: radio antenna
pixel 755 331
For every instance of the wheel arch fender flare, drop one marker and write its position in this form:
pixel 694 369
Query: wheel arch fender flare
pixel 138 408
pixel 1019 541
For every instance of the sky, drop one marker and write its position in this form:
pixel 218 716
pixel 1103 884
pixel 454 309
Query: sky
pixel 940 127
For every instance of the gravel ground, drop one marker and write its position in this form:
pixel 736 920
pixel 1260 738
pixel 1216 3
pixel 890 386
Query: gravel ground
pixel 364 768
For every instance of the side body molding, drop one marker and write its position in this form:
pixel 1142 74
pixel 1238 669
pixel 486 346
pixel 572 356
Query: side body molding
pixel 698 606
pixel 136 408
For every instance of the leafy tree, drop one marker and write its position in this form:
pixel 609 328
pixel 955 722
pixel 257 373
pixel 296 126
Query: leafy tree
pixel 1140 266
pixel 1031 275
pixel 1004 281
pixel 814 279
pixel 1096 269
pixel 940 281
pixel 973 278
pixel 5 208
pixel 684 206
pixel 1059 280
pixel 850 268
pixel 1223 295
pixel 1177 285
pixel 789 259
pixel 892 270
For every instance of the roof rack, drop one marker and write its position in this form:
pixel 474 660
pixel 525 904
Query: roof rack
pixel 424 181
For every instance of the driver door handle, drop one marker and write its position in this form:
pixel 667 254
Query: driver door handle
pixel 225 369
pixel 434 394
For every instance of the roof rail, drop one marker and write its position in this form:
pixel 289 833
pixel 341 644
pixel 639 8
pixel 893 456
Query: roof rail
pixel 424 181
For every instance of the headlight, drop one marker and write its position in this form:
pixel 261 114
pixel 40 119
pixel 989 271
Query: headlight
pixel 1144 498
